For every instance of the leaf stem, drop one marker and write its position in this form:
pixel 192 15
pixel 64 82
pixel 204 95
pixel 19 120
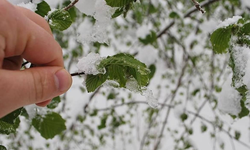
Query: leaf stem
pixel 72 4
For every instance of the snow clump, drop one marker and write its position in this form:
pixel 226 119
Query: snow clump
pixel 102 13
pixel 89 64
pixel 229 21
pixel 229 99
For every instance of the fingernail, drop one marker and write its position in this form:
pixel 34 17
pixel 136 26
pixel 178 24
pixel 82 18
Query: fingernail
pixel 63 80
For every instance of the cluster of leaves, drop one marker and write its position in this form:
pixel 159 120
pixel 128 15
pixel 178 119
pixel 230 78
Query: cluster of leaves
pixel 120 68
pixel 223 41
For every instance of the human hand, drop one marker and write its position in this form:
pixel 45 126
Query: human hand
pixel 24 34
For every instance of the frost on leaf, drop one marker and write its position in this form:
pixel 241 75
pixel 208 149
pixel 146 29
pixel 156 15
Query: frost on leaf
pixel 89 64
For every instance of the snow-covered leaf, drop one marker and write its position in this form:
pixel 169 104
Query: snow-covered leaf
pixel 60 20
pixel 10 122
pixel 134 68
pixel 49 125
pixel 43 8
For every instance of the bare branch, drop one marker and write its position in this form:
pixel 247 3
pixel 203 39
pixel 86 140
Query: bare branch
pixel 198 6
pixel 192 10
pixel 131 103
pixel 72 4
pixel 168 111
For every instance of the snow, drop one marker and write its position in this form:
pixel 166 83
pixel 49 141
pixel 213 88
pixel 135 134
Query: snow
pixel 152 101
pixel 229 21
pixel 34 110
pixel 241 56
pixel 89 64
pixel 86 6
pixel 102 13
pixel 149 50
pixel 229 99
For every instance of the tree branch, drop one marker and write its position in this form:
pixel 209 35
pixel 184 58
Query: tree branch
pixel 192 10
pixel 72 4
pixel 168 111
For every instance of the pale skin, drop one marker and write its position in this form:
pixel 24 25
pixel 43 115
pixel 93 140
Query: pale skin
pixel 26 35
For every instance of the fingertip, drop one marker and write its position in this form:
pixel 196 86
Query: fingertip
pixel 44 103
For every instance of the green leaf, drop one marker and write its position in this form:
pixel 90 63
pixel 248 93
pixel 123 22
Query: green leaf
pixel 125 60
pixel 2 147
pixel 244 111
pixel 131 68
pixel 103 122
pixel 203 128
pixel 54 103
pixel 149 39
pixel 118 3
pixel 237 135
pixel 245 29
pixel 152 69
pixel 60 20
pixel 10 118
pixel 183 117
pixel 7 128
pixel 174 14
pixel 142 80
pixel 49 125
pixel 118 12
pixel 117 73
pixel 220 40
pixel 10 122
pixel 42 9
pixel 119 68
pixel 94 81
pixel 72 10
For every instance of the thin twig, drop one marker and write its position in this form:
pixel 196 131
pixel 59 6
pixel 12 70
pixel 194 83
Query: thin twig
pixel 85 108
pixel 217 126
pixel 168 111
pixel 131 103
pixel 198 6
pixel 72 4
pixel 192 10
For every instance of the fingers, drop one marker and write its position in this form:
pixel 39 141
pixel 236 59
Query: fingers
pixel 43 104
pixel 23 36
pixel 30 86
pixel 35 18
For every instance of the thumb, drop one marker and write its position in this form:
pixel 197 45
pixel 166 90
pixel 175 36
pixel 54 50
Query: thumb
pixel 31 86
